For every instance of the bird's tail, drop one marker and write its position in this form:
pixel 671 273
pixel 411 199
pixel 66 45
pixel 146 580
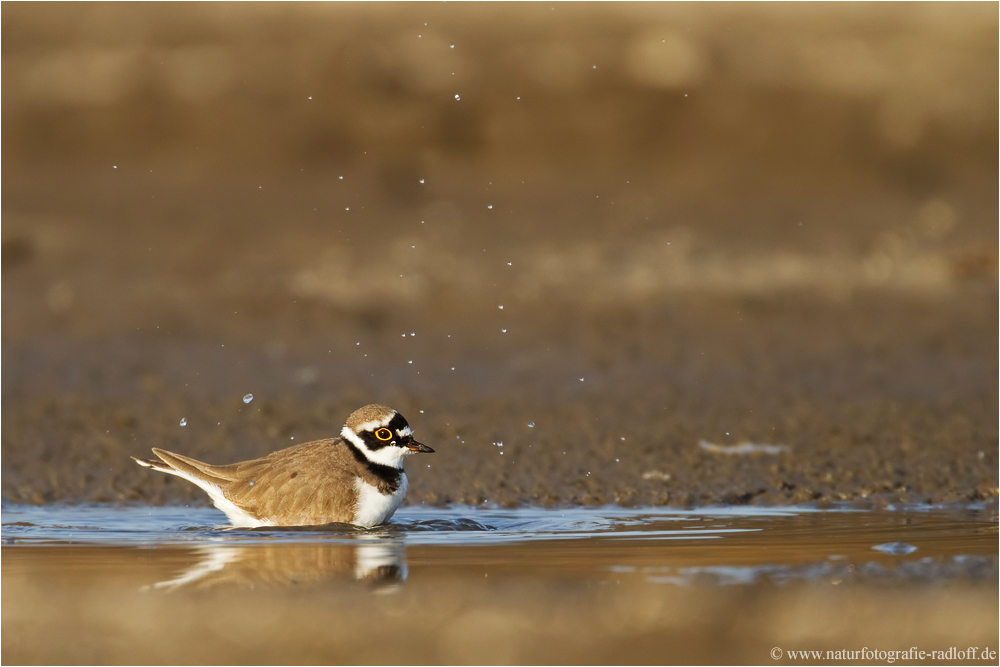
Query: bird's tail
pixel 155 465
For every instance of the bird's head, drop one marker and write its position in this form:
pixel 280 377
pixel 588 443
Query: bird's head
pixel 382 435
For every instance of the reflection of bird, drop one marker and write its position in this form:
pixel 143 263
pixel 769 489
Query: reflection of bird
pixel 357 478
pixel 378 561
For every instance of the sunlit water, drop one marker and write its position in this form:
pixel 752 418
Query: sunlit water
pixel 722 545
pixel 104 585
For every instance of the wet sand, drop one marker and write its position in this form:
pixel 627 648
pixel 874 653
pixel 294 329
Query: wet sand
pixel 877 401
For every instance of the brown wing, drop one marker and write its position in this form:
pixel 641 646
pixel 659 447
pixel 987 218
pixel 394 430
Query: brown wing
pixel 306 485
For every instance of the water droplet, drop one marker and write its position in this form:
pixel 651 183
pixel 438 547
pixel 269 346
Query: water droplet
pixel 458 98
pixel 501 306
pixel 489 206
pixel 184 421
pixel 341 177
pixel 452 46
pixel 412 333
pixel 581 379
pixel 421 181
pixel 531 424
pixel 503 331
pixel 251 483
pixel 310 97
pixel 248 398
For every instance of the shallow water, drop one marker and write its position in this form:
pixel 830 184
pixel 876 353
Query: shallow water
pixel 105 576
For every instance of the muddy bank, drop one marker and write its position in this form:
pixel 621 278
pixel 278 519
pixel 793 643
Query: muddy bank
pixel 878 400
pixel 637 229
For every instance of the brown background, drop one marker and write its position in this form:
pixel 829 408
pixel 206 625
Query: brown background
pixel 765 223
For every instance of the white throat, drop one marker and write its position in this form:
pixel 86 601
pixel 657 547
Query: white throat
pixel 390 455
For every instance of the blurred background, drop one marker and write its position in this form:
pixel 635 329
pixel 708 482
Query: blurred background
pixel 567 241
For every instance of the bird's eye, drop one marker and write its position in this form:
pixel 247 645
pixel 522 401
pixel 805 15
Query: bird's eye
pixel 383 434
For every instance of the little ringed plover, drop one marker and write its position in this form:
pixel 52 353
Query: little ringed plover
pixel 357 478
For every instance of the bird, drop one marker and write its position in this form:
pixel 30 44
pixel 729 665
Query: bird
pixel 357 478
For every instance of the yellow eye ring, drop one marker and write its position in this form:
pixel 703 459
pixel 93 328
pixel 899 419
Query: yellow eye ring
pixel 383 434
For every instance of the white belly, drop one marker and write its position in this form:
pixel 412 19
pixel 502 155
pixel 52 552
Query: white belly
pixel 374 507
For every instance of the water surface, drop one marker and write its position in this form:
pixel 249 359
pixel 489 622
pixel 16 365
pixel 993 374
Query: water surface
pixel 724 545
pixel 485 585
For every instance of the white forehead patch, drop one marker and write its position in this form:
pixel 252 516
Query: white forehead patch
pixel 405 431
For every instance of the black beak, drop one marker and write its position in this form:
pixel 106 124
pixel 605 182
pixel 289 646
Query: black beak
pixel 415 446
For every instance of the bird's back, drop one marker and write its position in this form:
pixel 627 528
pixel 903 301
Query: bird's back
pixel 305 485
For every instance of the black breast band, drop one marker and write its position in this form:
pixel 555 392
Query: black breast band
pixel 387 476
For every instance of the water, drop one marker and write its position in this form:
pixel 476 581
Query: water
pixel 493 585
pixel 668 545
